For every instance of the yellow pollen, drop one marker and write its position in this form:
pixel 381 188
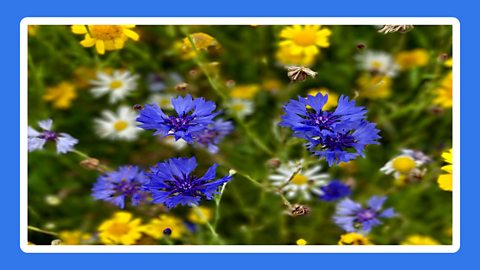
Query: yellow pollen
pixel 305 38
pixel 299 179
pixel 118 229
pixel 120 125
pixel 106 32
pixel 376 64
pixel 116 84
pixel 403 164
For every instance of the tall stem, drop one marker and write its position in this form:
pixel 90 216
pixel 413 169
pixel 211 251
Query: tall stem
pixel 209 226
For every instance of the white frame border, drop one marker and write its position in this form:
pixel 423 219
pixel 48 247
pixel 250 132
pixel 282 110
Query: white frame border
pixel 238 248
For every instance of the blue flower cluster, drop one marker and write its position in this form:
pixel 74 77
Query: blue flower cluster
pixel 192 121
pixel 171 182
pixel 339 135
pixel 352 217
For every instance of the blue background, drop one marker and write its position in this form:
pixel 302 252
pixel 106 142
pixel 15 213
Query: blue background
pixel 13 257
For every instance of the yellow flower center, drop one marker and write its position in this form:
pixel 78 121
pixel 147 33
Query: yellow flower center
pixel 305 38
pixel 118 229
pixel 403 164
pixel 116 84
pixel 105 32
pixel 238 107
pixel 165 102
pixel 376 64
pixel 299 179
pixel 120 125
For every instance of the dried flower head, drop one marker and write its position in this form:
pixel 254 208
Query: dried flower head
pixel 296 73
pixel 298 210
pixel 392 28
pixel 90 163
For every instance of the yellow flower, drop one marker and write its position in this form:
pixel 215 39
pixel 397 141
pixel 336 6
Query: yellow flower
pixel 332 97
pixel 445 180
pixel 301 242
pixel 202 42
pixel 244 91
pixel 420 240
pixel 271 85
pixel 412 59
pixel 285 56
pixel 105 37
pixel 305 39
pixel 374 86
pixel 32 30
pixel 206 215
pixel 121 229
pixel 157 226
pixel 444 92
pixel 74 237
pixel 448 63
pixel 61 95
pixel 82 76
pixel 353 239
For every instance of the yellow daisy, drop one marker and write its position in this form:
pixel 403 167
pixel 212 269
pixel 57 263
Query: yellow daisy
pixel 420 240
pixel 285 57
pixel 74 237
pixel 120 229
pixel 105 37
pixel 244 91
pixel 202 218
pixel 412 59
pixel 374 86
pixel 444 92
pixel 301 242
pixel 201 40
pixel 305 39
pixel 61 95
pixel 353 239
pixel 332 97
pixel 445 180
pixel 157 226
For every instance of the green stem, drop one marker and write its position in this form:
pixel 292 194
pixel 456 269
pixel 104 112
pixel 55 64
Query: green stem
pixel 216 88
pixel 217 206
pixel 209 225
pixel 42 231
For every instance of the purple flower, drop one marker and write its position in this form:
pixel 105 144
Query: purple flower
pixel 191 117
pixel 117 186
pixel 352 217
pixel 338 135
pixel 172 182
pixel 37 139
pixel 211 136
pixel 334 190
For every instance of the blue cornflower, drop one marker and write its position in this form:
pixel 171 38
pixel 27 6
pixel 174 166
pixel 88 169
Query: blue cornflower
pixel 338 135
pixel 211 136
pixel 334 190
pixel 117 186
pixel 190 118
pixel 352 217
pixel 172 182
pixel 37 139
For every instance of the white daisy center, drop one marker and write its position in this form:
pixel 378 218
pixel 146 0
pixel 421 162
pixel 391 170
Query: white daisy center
pixel 115 84
pixel 299 179
pixel 403 164
pixel 120 125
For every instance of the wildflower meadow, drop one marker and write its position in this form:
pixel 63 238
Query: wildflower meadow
pixel 240 135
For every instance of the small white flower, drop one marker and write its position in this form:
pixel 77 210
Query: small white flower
pixel 405 164
pixel 378 62
pixel 119 126
pixel 117 86
pixel 295 181
pixel 176 144
pixel 164 101
pixel 240 107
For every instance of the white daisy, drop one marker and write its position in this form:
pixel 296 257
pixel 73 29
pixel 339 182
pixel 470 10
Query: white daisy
pixel 240 107
pixel 164 100
pixel 295 181
pixel 378 62
pixel 118 85
pixel 120 126
pixel 408 163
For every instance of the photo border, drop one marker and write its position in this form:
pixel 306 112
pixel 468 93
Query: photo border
pixel 454 22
